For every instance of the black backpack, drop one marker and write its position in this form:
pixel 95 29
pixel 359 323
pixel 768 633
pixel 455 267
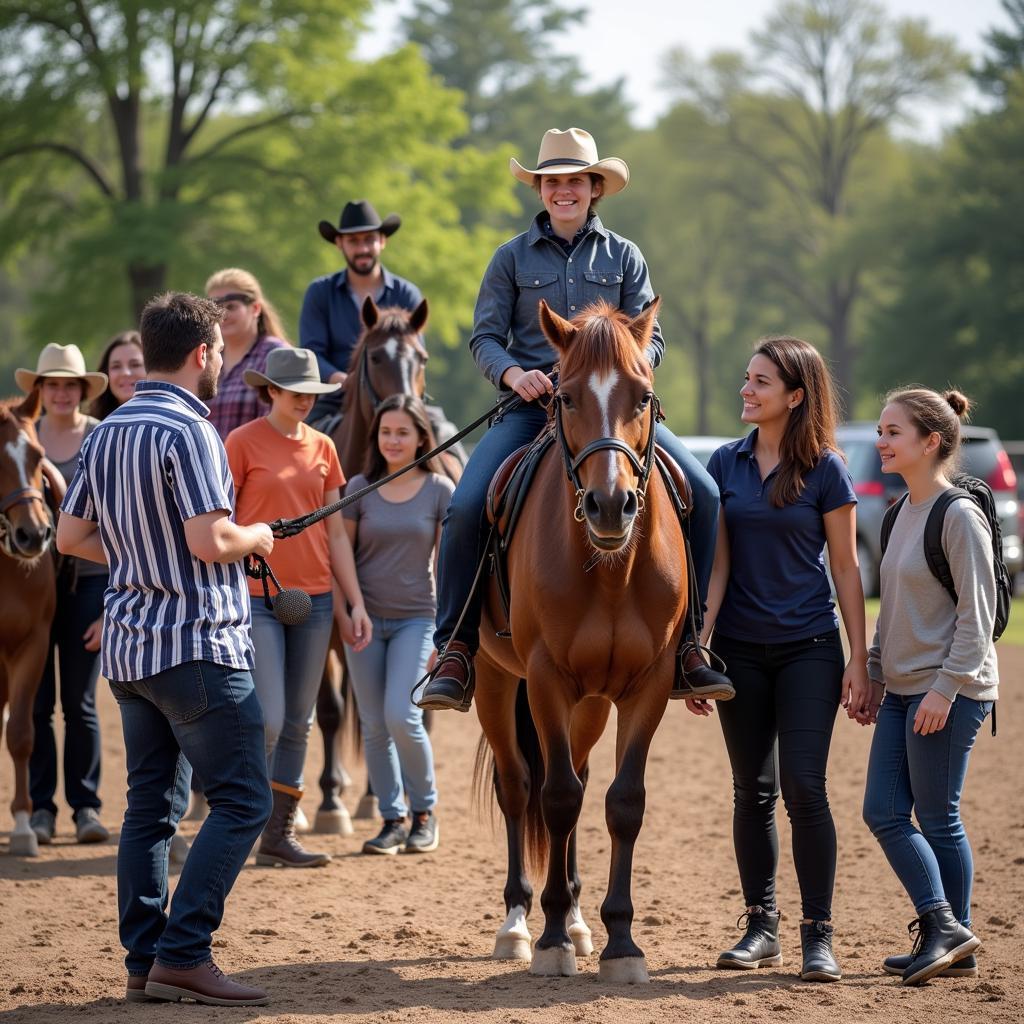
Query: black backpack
pixel 981 494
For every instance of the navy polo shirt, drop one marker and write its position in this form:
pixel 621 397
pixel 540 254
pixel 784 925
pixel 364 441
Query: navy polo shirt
pixel 778 590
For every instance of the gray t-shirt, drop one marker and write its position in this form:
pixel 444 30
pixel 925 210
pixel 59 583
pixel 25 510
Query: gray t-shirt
pixel 395 546
pixel 68 468
pixel 922 640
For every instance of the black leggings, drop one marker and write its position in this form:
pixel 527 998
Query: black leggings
pixel 777 730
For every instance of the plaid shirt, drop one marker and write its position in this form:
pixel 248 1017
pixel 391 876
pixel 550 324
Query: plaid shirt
pixel 237 403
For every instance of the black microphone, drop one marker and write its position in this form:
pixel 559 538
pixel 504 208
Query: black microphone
pixel 291 607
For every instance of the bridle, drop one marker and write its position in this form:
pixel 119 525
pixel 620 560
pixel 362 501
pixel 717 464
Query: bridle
pixel 21 496
pixel 642 466
pixel 366 386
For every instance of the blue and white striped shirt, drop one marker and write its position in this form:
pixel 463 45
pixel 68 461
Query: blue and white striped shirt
pixel 149 466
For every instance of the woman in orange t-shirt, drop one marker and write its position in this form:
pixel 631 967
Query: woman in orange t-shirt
pixel 283 468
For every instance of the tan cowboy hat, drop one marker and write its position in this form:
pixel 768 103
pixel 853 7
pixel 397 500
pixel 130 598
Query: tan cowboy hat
pixel 569 151
pixel 293 369
pixel 62 361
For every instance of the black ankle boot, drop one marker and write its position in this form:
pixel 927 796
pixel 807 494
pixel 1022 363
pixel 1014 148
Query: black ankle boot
pixel 759 946
pixel 966 968
pixel 819 960
pixel 941 941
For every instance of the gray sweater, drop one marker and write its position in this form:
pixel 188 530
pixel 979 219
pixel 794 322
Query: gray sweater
pixel 922 640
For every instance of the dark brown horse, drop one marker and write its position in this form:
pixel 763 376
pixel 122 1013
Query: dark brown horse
pixel 389 359
pixel 27 594
pixel 597 570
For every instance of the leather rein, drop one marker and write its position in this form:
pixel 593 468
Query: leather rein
pixel 642 465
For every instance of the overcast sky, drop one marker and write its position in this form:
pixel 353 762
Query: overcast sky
pixel 626 38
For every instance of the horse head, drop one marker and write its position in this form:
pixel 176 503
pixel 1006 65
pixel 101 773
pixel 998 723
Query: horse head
pixel 605 414
pixel 26 527
pixel 390 358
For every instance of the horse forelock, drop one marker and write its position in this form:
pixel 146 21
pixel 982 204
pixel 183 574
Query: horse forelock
pixel 603 343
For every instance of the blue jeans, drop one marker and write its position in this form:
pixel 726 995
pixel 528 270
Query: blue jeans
pixel 79 671
pixel 398 751
pixel 289 664
pixel 463 534
pixel 207 715
pixel 924 774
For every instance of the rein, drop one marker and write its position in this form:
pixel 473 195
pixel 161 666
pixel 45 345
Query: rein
pixel 642 468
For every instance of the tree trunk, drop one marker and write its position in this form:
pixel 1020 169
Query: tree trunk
pixel 841 346
pixel 145 281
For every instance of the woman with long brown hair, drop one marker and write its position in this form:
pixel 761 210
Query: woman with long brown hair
pixel 786 495
pixel 124 364
pixel 394 533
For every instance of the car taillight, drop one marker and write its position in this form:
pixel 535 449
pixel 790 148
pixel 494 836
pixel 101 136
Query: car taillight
pixel 1002 477
pixel 869 489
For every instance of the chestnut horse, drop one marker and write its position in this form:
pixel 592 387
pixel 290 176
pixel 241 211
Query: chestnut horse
pixel 598 579
pixel 27 591
pixel 389 359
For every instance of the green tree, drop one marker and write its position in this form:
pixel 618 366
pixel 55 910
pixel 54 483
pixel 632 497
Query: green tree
pixel 809 109
pixel 957 268
pixel 145 145
pixel 1006 56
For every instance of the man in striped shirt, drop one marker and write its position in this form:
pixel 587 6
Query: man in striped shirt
pixel 153 499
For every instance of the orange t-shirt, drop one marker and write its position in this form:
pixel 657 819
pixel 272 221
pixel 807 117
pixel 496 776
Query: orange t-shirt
pixel 278 477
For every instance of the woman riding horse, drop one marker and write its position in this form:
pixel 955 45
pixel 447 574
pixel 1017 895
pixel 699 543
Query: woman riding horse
pixel 568 259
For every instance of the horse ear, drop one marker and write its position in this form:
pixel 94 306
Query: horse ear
pixel 370 312
pixel 556 329
pixel 642 325
pixel 32 406
pixel 418 320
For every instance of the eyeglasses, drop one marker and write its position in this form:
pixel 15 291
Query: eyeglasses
pixel 233 297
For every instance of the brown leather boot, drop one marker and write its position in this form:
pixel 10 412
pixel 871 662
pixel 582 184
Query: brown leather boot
pixel 278 844
pixel 453 682
pixel 135 989
pixel 205 984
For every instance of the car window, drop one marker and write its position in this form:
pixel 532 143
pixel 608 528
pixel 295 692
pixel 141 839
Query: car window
pixel 862 458
pixel 979 457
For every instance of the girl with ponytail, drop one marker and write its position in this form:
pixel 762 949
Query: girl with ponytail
pixel 934 679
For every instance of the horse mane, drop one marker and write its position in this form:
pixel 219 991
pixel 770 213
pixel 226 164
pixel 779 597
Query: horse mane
pixel 603 343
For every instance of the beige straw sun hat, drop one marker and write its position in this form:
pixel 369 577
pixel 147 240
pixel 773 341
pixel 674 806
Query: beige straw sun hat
pixel 64 361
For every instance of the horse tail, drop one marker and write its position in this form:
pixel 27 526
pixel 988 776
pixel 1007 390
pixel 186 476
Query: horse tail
pixel 535 833
pixel 349 711
pixel 485 780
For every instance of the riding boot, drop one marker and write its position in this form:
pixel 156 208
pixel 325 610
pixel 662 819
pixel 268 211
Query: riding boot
pixel 941 941
pixel 759 946
pixel 697 680
pixel 453 680
pixel 278 844
pixel 819 960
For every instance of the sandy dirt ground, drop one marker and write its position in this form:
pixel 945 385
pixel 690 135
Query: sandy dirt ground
pixel 409 938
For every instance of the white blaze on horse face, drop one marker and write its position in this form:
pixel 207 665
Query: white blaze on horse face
pixel 391 347
pixel 602 385
pixel 17 451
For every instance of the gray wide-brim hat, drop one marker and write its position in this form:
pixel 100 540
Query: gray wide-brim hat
pixel 64 361
pixel 292 369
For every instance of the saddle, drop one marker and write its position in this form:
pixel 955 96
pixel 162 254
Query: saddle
pixel 507 493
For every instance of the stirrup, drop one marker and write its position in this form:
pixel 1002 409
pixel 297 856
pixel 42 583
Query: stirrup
pixel 440 702
pixel 682 689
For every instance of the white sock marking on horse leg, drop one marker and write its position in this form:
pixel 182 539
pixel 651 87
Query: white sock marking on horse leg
pixel 513 939
pixel 579 931
pixel 602 385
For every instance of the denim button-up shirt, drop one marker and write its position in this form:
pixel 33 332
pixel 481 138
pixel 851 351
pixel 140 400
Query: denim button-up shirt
pixel 330 322
pixel 532 266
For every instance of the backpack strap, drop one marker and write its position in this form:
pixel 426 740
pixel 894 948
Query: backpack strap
pixel 889 519
pixel 933 550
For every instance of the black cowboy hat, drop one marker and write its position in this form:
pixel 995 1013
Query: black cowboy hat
pixel 360 216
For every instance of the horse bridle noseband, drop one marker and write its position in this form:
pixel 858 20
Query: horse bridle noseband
pixel 22 496
pixel 572 462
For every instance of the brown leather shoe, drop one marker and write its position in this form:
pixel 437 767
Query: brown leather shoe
pixel 135 991
pixel 278 845
pixel 204 984
pixel 453 682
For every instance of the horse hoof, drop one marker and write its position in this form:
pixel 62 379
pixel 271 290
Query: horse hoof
pixel 24 844
pixel 627 970
pixel 301 822
pixel 556 962
pixel 179 849
pixel 333 822
pixel 511 947
pixel 368 809
pixel 581 939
